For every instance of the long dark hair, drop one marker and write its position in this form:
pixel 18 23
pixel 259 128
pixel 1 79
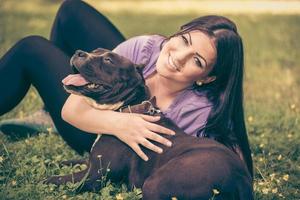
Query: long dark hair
pixel 226 120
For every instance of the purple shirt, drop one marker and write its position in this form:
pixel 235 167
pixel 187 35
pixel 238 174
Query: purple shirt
pixel 190 109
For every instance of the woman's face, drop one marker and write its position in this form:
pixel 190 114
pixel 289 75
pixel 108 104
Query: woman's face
pixel 187 58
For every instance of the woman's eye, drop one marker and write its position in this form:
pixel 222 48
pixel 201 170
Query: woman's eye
pixel 184 39
pixel 198 62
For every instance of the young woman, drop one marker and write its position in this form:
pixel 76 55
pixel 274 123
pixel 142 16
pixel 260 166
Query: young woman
pixel 196 76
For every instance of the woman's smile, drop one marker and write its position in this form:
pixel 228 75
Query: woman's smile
pixel 171 64
pixel 184 61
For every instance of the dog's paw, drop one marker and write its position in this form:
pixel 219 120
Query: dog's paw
pixel 73 162
pixel 56 180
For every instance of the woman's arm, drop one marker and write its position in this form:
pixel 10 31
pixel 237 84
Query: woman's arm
pixel 132 129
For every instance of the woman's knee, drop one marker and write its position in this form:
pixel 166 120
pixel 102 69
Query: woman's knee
pixel 31 43
pixel 69 4
pixel 68 9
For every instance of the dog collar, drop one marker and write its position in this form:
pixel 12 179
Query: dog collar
pixel 131 109
pixel 152 110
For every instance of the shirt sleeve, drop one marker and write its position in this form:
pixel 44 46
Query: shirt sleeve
pixel 192 118
pixel 134 49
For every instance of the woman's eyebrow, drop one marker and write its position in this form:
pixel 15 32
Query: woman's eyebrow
pixel 190 39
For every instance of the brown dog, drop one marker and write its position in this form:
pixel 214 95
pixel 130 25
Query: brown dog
pixel 190 169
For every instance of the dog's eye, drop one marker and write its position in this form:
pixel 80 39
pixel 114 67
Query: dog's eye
pixel 108 60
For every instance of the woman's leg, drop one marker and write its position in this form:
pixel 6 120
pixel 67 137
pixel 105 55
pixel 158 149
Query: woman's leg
pixel 35 60
pixel 76 26
pixel 79 26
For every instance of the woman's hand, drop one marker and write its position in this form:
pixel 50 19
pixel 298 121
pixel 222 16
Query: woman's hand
pixel 137 129
pixel 133 129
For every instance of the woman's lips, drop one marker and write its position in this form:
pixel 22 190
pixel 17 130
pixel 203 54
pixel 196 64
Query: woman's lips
pixel 171 64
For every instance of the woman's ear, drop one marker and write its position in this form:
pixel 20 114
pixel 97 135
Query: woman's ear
pixel 209 79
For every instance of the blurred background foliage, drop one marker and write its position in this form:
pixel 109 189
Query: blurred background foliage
pixel 272 85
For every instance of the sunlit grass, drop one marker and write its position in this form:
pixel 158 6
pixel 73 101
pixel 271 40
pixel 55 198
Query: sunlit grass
pixel 272 98
pixel 173 7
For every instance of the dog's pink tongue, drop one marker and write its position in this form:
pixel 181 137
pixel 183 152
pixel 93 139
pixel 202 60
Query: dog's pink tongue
pixel 74 79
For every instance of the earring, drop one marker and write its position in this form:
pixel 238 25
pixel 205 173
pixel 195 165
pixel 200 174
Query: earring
pixel 199 83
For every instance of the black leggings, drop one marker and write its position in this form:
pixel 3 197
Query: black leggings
pixel 43 63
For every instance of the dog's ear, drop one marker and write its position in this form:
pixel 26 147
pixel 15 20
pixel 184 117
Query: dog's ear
pixel 139 68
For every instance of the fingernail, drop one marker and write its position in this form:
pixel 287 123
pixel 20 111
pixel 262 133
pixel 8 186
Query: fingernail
pixel 160 151
pixel 169 144
pixel 146 159
pixel 173 133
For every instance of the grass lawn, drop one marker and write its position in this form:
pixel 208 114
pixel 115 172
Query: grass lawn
pixel 272 102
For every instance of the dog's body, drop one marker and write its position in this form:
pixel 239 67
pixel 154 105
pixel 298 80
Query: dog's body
pixel 190 169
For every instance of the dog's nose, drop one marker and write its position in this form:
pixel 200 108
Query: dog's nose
pixel 81 53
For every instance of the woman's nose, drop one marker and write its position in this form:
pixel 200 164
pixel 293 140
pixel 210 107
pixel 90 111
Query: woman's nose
pixel 184 54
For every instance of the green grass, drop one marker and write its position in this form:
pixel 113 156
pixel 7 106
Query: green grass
pixel 272 103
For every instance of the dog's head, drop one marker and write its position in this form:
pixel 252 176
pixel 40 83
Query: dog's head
pixel 106 78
